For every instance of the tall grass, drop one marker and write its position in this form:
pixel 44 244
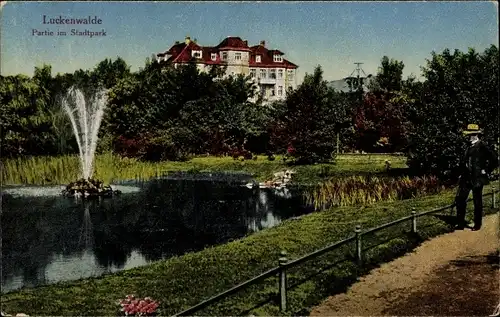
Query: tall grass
pixel 361 190
pixel 46 170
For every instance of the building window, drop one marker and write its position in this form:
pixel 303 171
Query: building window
pixel 257 59
pixel 224 56
pixel 280 90
pixel 253 73
pixel 237 56
pixel 262 73
pixel 196 54
pixel 214 56
pixel 272 92
pixel 290 74
pixel 280 73
pixel 277 58
pixel 272 73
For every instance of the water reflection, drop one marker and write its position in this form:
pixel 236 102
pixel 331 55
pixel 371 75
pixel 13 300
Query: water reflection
pixel 51 239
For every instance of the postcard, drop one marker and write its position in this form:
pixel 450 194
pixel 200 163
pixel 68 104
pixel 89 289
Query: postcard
pixel 249 158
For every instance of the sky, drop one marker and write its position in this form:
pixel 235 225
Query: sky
pixel 334 35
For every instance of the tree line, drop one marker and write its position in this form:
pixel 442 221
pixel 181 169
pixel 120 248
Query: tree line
pixel 166 113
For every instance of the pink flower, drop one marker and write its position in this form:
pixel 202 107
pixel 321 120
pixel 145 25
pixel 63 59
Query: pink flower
pixel 133 306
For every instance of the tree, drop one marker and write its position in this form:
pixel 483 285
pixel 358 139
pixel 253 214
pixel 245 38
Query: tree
pixel 460 88
pixel 380 124
pixel 107 73
pixel 380 119
pixel 311 121
pixel 389 76
pixel 24 117
pixel 168 113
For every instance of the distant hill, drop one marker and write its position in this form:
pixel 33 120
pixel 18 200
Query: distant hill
pixel 343 84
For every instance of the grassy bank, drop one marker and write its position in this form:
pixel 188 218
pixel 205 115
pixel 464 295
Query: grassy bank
pixel 183 281
pixel 110 168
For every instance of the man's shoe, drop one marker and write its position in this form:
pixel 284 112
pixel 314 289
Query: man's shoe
pixel 476 228
pixel 459 227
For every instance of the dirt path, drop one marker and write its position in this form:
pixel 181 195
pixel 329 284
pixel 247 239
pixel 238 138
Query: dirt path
pixel 456 274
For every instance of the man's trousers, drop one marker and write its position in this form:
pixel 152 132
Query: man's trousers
pixel 461 202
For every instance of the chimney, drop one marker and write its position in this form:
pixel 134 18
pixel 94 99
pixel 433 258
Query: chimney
pixel 263 43
pixel 245 42
pixel 177 42
pixel 188 40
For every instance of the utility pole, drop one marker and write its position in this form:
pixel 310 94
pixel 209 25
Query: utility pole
pixel 338 142
pixel 358 70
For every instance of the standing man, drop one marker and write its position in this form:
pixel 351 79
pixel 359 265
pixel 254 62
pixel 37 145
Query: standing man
pixel 476 166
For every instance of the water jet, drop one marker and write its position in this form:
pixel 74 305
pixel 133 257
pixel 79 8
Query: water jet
pixel 85 116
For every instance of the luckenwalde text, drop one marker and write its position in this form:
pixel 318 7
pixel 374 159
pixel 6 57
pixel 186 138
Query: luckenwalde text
pixel 71 23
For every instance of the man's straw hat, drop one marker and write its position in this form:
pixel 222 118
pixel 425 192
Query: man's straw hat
pixel 473 129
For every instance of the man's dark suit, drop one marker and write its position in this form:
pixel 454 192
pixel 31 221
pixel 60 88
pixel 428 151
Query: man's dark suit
pixel 478 158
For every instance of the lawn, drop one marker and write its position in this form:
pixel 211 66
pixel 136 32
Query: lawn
pixel 183 281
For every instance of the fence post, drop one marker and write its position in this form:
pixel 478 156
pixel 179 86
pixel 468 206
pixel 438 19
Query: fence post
pixel 413 220
pixel 282 286
pixel 494 198
pixel 357 232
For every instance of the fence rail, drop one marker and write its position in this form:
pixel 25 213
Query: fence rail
pixel 284 264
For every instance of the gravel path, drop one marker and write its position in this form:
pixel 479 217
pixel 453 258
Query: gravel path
pixel 456 274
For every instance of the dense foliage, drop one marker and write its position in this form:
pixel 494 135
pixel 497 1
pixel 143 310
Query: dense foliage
pixel 166 113
pixel 313 114
pixel 460 88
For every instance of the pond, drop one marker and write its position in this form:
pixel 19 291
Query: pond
pixel 48 238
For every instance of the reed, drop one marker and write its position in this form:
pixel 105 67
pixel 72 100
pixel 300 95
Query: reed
pixel 46 170
pixel 366 190
pixel 49 170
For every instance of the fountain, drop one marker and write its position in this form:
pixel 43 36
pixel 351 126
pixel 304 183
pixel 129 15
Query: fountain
pixel 86 119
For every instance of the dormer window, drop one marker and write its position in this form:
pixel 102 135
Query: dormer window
pixel 278 58
pixel 196 54
pixel 257 59
pixel 213 56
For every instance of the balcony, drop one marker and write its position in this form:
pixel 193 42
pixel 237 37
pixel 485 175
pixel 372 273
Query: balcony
pixel 266 81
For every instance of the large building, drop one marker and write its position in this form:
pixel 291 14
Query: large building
pixel 272 73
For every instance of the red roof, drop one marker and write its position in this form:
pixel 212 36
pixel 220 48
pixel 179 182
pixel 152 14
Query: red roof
pixel 266 59
pixel 182 53
pixel 207 55
pixel 233 43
